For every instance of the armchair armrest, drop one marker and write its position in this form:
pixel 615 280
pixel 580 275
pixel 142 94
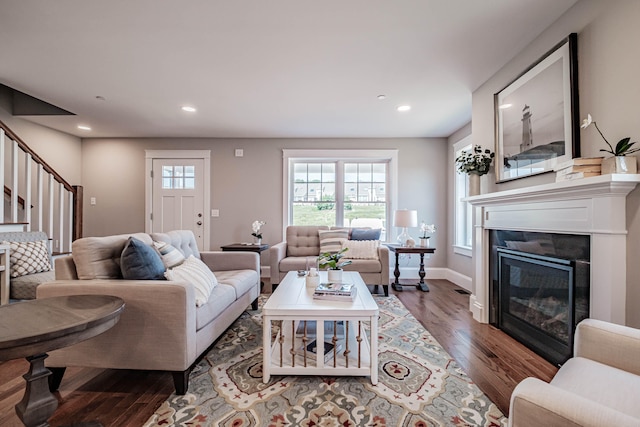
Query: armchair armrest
pixel 608 343
pixel 277 253
pixel 537 403
pixel 383 255
pixel 222 261
pixel 158 314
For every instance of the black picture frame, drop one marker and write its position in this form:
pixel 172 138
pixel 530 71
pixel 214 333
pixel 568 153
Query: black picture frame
pixel 537 121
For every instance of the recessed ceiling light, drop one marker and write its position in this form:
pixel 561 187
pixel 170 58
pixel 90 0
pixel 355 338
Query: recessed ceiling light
pixel 505 106
pixel 404 108
pixel 381 97
pixel 188 109
pixel 84 127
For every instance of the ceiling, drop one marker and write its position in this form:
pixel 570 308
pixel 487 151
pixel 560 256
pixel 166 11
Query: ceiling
pixel 255 69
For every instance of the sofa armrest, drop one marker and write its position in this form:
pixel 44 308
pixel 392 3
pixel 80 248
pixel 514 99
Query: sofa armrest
pixel 608 343
pixel 65 268
pixel 277 253
pixel 158 314
pixel 537 403
pixel 383 255
pixel 222 261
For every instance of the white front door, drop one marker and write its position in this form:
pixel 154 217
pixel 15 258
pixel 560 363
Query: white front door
pixel 178 197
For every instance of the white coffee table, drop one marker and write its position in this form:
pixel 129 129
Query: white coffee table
pixel 292 303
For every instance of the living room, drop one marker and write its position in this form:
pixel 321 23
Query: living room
pixel 243 189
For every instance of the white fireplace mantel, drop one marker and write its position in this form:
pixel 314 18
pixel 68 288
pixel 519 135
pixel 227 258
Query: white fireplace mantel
pixel 594 206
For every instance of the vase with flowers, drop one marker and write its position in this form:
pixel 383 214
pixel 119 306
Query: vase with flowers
pixel 426 230
pixel 257 233
pixel 619 163
pixel 475 163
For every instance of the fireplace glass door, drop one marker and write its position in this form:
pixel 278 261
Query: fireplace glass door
pixel 537 299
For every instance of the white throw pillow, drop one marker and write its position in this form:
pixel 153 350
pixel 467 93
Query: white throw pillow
pixel 196 272
pixel 171 256
pixel 28 258
pixel 361 249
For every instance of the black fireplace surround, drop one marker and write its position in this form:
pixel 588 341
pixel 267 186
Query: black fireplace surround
pixel 539 288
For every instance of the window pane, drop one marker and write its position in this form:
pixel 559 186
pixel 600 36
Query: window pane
pixel 178 170
pixel 189 171
pixel 190 183
pixel 364 172
pixel 314 214
pixel 167 171
pixel 177 183
pixel 166 183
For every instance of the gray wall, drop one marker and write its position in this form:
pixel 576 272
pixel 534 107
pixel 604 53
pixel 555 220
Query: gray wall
pixel 250 188
pixel 609 89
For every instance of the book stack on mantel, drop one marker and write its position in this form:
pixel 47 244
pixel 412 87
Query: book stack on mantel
pixel 580 167
pixel 335 291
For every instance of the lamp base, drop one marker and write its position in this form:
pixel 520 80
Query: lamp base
pixel 404 239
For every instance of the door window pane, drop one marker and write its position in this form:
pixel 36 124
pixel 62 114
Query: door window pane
pixel 178 177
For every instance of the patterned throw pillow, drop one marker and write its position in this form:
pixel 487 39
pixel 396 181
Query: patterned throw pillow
pixel 171 256
pixel 331 240
pixel 196 272
pixel 28 257
pixel 361 249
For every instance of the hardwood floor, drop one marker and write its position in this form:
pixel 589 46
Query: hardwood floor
pixel 493 360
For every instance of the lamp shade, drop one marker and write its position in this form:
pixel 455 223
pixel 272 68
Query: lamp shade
pixel 405 218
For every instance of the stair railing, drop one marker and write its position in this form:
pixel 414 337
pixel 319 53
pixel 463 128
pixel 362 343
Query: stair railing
pixel 36 196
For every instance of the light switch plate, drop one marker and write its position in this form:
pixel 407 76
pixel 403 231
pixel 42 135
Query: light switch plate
pixel 239 152
pixel 215 213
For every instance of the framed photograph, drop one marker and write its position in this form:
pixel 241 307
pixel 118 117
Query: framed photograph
pixel 536 116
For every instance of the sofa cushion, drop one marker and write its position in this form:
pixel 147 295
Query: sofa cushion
pixel 222 296
pixel 196 272
pixel 365 266
pixel 24 287
pixel 365 233
pixel 294 263
pixel 171 256
pixel 587 378
pixel 331 240
pixel 361 249
pixel 242 281
pixel 141 262
pixel 99 257
pixel 303 240
pixel 28 257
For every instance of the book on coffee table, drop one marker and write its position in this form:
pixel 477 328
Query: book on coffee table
pixel 336 291
pixel 312 349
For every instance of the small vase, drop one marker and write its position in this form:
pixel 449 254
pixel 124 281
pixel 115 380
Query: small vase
pixel 257 241
pixel 334 275
pixel 425 242
pixel 474 184
pixel 619 164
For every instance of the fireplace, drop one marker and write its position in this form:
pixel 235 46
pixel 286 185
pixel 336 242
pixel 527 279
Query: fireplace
pixel 540 289
pixel 593 207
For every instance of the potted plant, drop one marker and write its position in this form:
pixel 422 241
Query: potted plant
pixel 257 234
pixel 618 163
pixel 426 229
pixel 332 261
pixel 475 163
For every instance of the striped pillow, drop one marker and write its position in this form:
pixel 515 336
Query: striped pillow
pixel 196 272
pixel 171 256
pixel 331 240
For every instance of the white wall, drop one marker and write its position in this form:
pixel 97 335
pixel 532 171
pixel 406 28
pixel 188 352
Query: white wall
pixel 250 188
pixel 609 89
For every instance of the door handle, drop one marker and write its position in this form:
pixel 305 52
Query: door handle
pixel 199 222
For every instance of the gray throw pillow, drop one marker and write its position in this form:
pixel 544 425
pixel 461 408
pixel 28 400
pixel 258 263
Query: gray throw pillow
pixel 140 261
pixel 365 234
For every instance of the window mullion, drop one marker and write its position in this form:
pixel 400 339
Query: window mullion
pixel 340 193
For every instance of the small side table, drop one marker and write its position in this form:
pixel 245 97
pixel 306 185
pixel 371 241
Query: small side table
pixel 243 247
pixel 397 249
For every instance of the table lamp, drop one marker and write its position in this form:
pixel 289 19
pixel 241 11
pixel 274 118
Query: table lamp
pixel 405 218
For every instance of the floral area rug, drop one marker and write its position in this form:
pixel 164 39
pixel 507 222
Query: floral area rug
pixel 420 385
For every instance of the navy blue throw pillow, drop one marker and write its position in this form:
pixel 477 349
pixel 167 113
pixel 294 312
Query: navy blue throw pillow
pixel 365 234
pixel 139 261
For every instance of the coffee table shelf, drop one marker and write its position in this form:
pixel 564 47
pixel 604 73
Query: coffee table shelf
pixel 292 303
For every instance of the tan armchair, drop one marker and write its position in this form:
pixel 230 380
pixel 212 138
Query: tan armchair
pixel 598 387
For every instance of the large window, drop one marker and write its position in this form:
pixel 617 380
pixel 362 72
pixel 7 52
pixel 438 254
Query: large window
pixel 352 190
pixel 463 210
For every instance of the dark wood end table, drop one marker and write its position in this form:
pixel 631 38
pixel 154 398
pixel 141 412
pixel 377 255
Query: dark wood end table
pixel 243 247
pixel 31 328
pixel 397 249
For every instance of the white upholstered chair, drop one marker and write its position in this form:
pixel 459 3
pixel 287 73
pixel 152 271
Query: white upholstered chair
pixel 598 387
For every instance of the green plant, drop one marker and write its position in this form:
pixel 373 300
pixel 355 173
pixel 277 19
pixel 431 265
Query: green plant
pixel 623 147
pixel 475 161
pixel 332 260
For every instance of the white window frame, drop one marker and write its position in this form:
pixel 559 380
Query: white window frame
pixel 292 156
pixel 463 211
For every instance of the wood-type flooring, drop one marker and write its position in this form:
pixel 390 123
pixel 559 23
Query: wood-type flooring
pixel 118 398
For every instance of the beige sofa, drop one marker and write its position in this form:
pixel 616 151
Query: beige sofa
pixel 301 249
pixel 161 328
pixel 597 387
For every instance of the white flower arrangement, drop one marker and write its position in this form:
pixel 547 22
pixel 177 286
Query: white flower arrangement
pixel 623 147
pixel 427 229
pixel 256 226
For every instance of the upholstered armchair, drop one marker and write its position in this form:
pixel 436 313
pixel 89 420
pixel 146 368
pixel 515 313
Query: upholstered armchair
pixel 598 387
